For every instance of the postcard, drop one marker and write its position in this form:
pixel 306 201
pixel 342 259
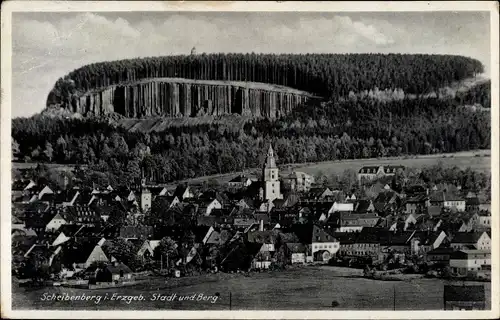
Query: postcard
pixel 226 159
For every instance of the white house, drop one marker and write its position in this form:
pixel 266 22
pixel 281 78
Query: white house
pixel 323 245
pixel 464 261
pixel 210 205
pixel 471 240
pixel 55 223
pixel 337 206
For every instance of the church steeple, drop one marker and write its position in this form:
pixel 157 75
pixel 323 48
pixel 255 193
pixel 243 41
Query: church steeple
pixel 270 177
pixel 270 160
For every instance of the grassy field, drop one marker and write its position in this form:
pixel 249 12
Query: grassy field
pixel 312 288
pixel 478 160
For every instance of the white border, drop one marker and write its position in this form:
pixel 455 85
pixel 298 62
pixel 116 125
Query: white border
pixel 68 6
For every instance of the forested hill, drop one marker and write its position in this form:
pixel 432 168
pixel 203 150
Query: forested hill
pixel 327 75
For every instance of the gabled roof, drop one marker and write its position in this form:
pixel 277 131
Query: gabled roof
pixel 78 251
pixel 118 268
pixel 20 185
pixel 180 190
pixel 466 237
pixel 442 196
pixel 369 169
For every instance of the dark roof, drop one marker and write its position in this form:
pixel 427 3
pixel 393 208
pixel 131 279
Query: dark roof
pixel 179 191
pixel 441 196
pixel 464 293
pixel 369 169
pixel 20 185
pixel 69 230
pixel 392 169
pixel 308 233
pixel 136 231
pixel 363 205
pixel 466 237
pixel 472 201
pixel 345 237
pixel 116 269
pixel 200 232
pixel 417 198
pixel 441 250
pixel 78 251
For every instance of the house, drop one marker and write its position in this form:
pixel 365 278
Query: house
pixel 417 203
pixel 322 245
pixel 297 253
pixel 80 255
pixel 374 172
pixel 262 259
pixel 43 251
pixel 112 272
pixel 136 232
pixel 387 202
pixel 239 182
pixel 300 181
pixel 404 223
pixel 320 193
pixel 440 255
pixel 267 238
pixel 80 214
pixel 364 206
pixel 347 241
pixel 147 249
pixel 21 188
pixel 344 207
pixel 464 297
pixel 57 221
pixel 447 200
pixel 471 240
pixel 183 192
pixel 484 220
pixel 158 191
pixel 465 261
pixel 347 222
pixel 44 190
pixel 66 232
pixel 208 205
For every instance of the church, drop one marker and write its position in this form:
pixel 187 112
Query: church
pixel 270 178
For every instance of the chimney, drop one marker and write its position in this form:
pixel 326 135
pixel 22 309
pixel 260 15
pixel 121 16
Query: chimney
pixel 261 225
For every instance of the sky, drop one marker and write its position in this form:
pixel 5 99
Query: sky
pixel 47 46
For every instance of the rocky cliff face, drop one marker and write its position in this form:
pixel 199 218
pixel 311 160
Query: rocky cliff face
pixel 172 97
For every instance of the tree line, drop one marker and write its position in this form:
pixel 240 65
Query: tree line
pixel 334 130
pixel 327 75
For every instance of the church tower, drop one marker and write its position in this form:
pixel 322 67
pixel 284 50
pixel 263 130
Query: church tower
pixel 270 177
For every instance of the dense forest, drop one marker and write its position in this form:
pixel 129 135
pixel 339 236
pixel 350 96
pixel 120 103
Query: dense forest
pixel 480 94
pixel 327 75
pixel 361 128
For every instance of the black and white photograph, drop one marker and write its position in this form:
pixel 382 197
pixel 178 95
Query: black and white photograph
pixel 229 157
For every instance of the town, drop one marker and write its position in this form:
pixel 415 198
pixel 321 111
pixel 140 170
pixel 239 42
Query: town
pixel 100 237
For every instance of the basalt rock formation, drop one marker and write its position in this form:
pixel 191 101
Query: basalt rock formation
pixel 172 97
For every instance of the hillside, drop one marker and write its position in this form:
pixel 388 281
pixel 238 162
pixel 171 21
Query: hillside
pixel 325 75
